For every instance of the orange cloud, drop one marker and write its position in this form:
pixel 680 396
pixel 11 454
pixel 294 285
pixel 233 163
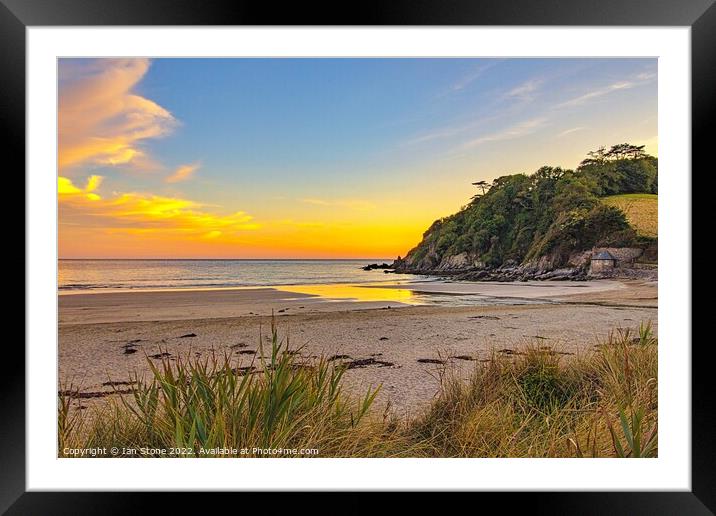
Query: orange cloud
pixel 137 213
pixel 182 173
pixel 100 120
pixel 66 189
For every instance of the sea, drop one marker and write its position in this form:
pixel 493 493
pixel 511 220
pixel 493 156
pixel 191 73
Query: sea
pixel 112 275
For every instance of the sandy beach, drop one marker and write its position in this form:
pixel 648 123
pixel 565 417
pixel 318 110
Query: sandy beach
pixel 401 345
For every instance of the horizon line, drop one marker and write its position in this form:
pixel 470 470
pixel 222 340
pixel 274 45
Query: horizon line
pixel 226 259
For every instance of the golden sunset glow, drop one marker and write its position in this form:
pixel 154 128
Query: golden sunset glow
pixel 160 223
pixel 355 292
pixel 244 159
pixel 140 214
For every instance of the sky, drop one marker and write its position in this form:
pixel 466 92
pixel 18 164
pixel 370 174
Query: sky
pixel 317 158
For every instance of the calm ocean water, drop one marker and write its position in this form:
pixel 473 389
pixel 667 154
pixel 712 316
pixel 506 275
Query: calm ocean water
pixel 159 274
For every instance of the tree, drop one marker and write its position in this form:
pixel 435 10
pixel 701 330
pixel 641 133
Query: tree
pixel 482 185
pixel 597 157
pixel 550 173
pixel 636 176
pixel 626 151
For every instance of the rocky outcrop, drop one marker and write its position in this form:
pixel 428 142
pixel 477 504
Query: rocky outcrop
pixel 374 266
pixel 554 267
pixel 460 262
pixel 522 274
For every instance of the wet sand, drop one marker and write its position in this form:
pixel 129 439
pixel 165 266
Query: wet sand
pixel 396 342
pixel 158 305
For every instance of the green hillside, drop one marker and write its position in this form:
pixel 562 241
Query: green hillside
pixel 553 212
pixel 641 211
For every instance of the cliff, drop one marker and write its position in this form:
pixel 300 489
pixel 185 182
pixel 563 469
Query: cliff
pixel 542 225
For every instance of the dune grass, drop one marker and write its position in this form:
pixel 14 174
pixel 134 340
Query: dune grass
pixel 538 404
pixel 603 404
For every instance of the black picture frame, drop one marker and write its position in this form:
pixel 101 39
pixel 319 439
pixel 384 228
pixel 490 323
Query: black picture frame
pixel 17 15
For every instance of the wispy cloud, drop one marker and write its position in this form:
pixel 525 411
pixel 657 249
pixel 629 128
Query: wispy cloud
pixel 438 134
pixel 570 131
pixel 627 84
pixel 468 79
pixel 351 204
pixel 524 91
pixel 101 120
pixel 474 74
pixel 514 131
pixel 182 173
pixel 451 131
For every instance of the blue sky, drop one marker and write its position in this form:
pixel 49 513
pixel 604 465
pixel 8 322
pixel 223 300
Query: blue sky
pixel 307 139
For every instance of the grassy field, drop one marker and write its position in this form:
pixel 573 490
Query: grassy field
pixel 534 403
pixel 641 211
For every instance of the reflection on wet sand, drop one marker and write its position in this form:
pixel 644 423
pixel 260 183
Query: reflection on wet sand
pixel 453 293
pixel 345 292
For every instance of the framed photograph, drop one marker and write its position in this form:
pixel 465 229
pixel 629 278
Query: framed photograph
pixel 423 249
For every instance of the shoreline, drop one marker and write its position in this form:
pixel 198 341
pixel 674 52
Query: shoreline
pixel 177 304
pixel 202 288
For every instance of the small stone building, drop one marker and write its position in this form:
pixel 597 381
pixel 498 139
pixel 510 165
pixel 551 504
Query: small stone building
pixel 602 262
